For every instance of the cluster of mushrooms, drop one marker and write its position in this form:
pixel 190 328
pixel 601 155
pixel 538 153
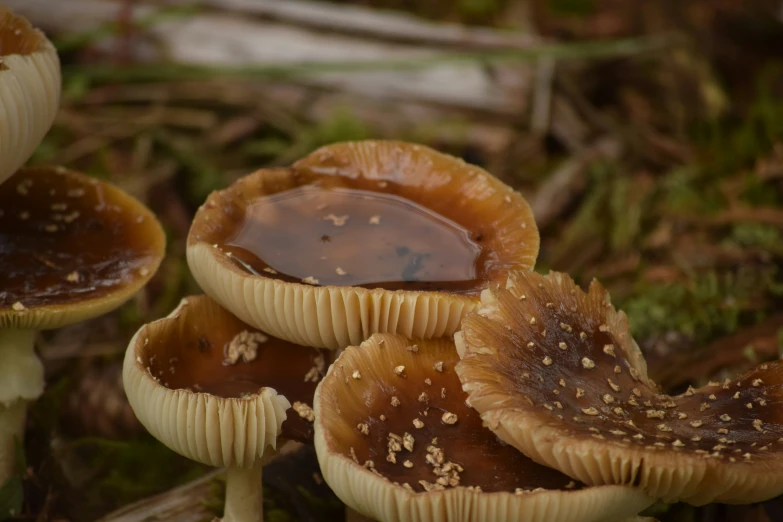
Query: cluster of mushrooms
pixel 71 247
pixel 377 299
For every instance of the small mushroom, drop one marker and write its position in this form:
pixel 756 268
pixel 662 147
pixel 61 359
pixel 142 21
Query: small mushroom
pixel 71 248
pixel 390 237
pixel 222 393
pixel 29 90
pixel 435 460
pixel 720 443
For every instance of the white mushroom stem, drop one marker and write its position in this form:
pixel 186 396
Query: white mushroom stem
pixel 21 381
pixel 244 495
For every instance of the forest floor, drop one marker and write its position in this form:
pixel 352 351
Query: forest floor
pixel 658 171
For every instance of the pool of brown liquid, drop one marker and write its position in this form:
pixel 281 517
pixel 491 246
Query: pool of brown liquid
pixel 65 237
pixel 190 351
pixel 16 35
pixel 416 404
pixel 374 214
pixel 350 237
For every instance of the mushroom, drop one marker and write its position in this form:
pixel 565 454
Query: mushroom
pixel 29 90
pixel 216 391
pixel 71 248
pixel 358 238
pixel 543 340
pixel 396 441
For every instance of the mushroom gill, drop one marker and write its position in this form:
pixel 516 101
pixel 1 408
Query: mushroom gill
pixel 29 90
pixel 395 438
pixel 201 349
pixel 555 372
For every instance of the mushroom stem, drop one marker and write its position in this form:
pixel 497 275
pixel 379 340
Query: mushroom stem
pixel 244 495
pixel 12 419
pixel 21 380
pixel 21 374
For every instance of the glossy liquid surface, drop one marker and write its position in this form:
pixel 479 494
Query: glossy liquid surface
pixel 351 237
pixel 414 403
pixel 189 351
pixel 65 237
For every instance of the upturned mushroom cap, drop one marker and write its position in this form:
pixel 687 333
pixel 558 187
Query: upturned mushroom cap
pixel 71 248
pixel 29 90
pixel 555 372
pixel 359 238
pixel 216 390
pixel 397 442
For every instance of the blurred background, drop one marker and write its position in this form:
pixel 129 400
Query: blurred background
pixel 648 137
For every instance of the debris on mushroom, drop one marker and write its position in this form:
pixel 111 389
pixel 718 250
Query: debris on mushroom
pixel 388 232
pixel 244 345
pixel 703 446
pixel 434 447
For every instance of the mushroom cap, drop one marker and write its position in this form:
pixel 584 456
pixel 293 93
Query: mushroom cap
pixel 29 90
pixel 392 412
pixel 71 248
pixel 391 237
pixel 211 388
pixel 542 339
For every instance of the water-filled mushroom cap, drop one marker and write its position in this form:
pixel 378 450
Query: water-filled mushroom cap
pixel 555 372
pixel 359 238
pixel 71 248
pixel 397 442
pixel 216 390
pixel 29 90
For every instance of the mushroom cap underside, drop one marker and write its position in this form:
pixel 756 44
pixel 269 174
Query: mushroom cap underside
pixel 29 90
pixel 216 390
pixel 445 228
pixel 554 371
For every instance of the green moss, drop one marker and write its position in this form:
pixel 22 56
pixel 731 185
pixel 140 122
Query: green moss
pixel 730 146
pixel 707 305
pixel 758 235
pixel 123 471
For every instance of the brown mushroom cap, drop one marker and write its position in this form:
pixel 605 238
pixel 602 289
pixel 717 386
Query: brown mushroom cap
pixel 216 390
pixel 71 248
pixel 29 90
pixel 396 441
pixel 359 238
pixel 555 372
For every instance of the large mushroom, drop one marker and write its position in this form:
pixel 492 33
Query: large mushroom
pixel 222 393
pixel 29 90
pixel 71 248
pixel 396 441
pixel 555 372
pixel 359 238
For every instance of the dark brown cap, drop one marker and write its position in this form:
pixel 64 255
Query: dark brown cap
pixel 71 248
pixel 216 390
pixel 396 441
pixel 555 372
pixel 359 238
